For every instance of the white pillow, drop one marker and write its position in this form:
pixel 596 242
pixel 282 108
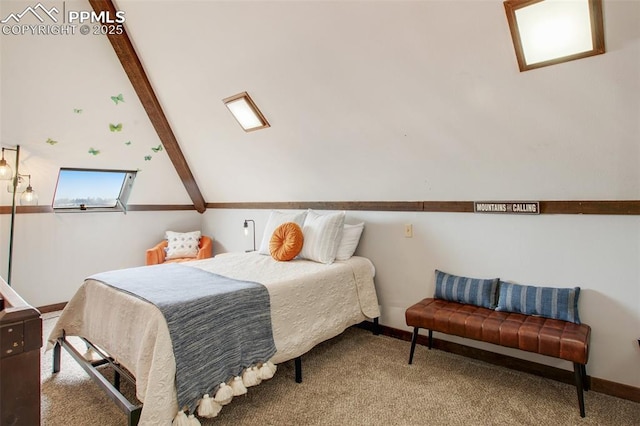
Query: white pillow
pixel 322 234
pixel 277 218
pixel 182 244
pixel 349 242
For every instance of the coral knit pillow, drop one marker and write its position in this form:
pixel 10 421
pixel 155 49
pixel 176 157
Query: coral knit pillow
pixel 286 241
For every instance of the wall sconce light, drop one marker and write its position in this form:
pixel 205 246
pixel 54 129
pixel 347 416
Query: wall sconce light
pixel 28 196
pixel 548 32
pixel 245 111
pixel 246 232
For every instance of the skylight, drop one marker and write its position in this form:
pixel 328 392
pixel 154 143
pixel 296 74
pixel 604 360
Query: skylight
pixel 245 111
pixel 548 32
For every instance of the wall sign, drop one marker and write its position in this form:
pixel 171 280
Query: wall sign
pixel 511 207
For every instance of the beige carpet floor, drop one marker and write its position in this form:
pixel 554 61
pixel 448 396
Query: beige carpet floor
pixel 361 379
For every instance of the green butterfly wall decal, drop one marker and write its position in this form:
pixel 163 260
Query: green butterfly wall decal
pixel 117 99
pixel 115 127
pixel 51 141
pixel 127 143
pixel 157 149
pixel 77 110
pixel 94 151
pixel 147 158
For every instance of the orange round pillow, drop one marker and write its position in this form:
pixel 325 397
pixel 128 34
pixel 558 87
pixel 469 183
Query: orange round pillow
pixel 286 241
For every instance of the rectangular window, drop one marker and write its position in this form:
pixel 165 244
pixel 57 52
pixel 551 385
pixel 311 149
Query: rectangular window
pixel 94 190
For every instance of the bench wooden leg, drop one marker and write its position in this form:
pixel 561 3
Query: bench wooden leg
pixel 585 380
pixel 414 339
pixel 580 372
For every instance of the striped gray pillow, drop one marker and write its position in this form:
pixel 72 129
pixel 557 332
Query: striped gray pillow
pixel 472 291
pixel 548 302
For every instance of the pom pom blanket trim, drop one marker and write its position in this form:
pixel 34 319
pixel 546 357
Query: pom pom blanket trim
pixel 209 407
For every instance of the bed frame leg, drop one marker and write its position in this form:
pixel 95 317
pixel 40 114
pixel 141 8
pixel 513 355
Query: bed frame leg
pixel 133 418
pixel 56 357
pixel 298 362
pixel 376 326
pixel 116 380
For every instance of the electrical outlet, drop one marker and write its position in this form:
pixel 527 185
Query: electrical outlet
pixel 408 230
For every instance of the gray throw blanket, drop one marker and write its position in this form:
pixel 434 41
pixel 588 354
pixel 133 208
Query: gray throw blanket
pixel 218 325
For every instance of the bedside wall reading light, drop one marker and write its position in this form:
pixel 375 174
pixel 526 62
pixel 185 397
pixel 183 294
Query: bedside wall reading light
pixel 245 111
pixel 246 232
pixel 548 32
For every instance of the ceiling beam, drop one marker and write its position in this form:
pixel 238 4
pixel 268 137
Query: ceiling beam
pixel 133 67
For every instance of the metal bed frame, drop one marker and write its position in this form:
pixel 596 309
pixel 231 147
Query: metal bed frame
pixel 112 390
pixel 133 411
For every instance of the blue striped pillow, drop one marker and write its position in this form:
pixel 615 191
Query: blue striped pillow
pixel 472 291
pixel 548 302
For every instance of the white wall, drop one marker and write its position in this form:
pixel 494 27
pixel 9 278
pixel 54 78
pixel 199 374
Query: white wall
pixel 54 253
pixel 600 254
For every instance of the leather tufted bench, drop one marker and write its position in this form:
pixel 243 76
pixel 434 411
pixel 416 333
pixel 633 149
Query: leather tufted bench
pixel 551 337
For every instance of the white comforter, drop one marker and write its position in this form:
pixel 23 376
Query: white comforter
pixel 310 303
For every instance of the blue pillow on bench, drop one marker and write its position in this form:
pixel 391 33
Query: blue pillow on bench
pixel 472 291
pixel 548 302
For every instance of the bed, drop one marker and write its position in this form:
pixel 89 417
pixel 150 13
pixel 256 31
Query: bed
pixel 310 302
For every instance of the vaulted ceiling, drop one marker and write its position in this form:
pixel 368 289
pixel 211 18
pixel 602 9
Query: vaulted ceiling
pixel 369 100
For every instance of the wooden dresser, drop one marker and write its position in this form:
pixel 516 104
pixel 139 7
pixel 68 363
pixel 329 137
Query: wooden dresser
pixel 20 343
